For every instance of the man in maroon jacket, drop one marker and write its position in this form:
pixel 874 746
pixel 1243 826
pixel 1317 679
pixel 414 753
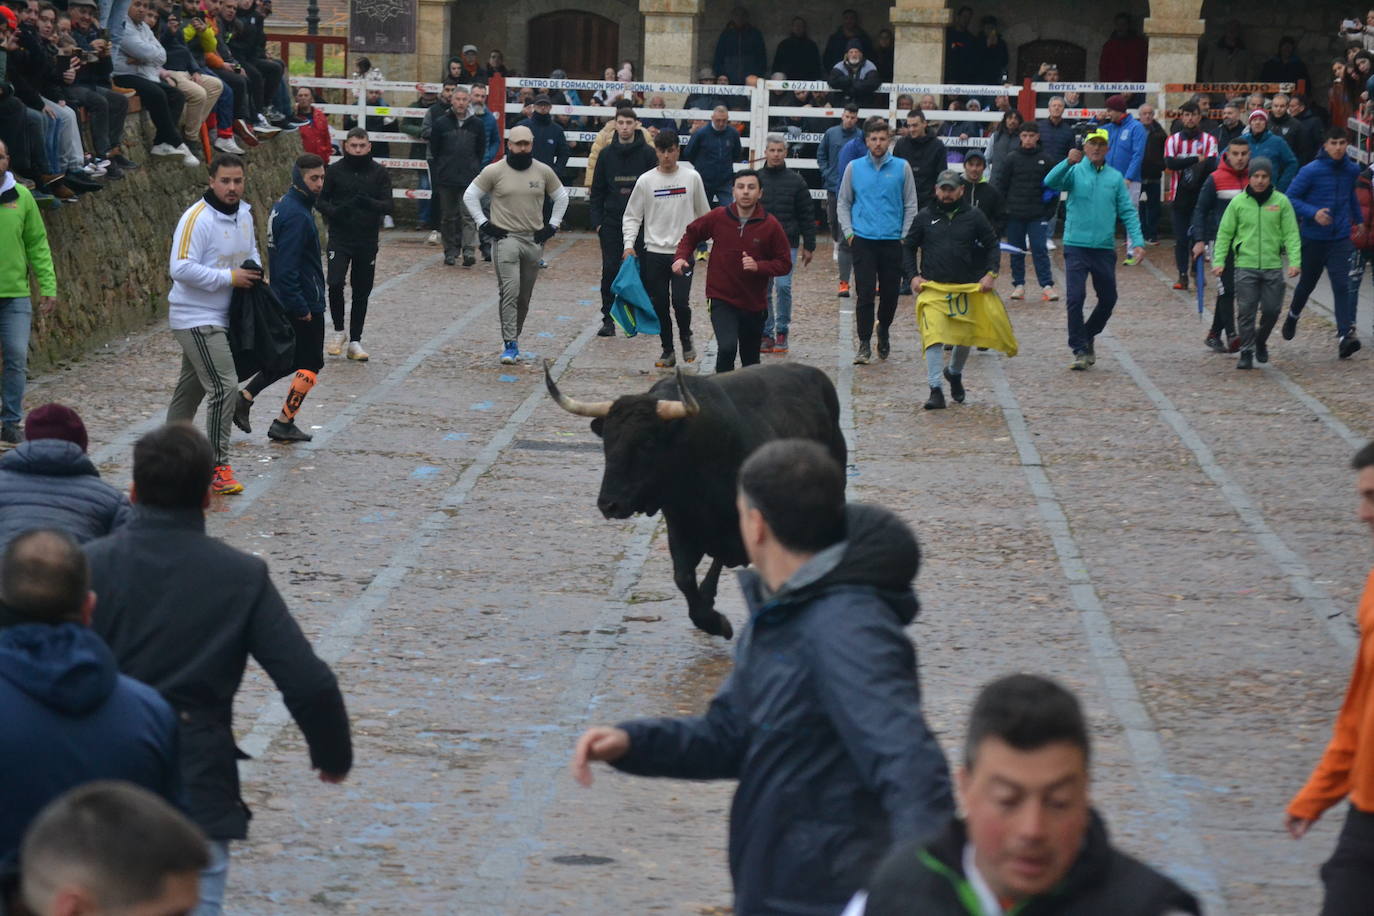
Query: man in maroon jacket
pixel 749 247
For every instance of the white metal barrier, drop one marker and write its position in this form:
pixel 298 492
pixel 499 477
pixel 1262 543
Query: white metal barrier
pixel 1364 139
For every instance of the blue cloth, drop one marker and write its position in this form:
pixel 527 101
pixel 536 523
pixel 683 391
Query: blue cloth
pixel 1018 231
pixel 550 143
pixel 1126 149
pixel 16 320
pixel 713 154
pixel 1079 264
pixel 632 309
pixel 854 149
pixel 1335 256
pixel 1329 184
pixel 70 718
pixel 1276 150
pixel 828 155
pixel 1097 199
pixel 293 254
pixel 779 318
pixel 214 880
pixel 493 137
pixel 51 483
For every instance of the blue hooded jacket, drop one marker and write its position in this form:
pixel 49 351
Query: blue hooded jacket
pixel 1325 183
pixel 70 718
pixel 1126 147
pixel 51 483
pixel 293 251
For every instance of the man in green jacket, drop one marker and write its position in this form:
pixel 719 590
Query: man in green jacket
pixel 1257 227
pixel 1097 199
pixel 23 244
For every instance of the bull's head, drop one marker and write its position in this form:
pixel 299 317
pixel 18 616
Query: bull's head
pixel 637 431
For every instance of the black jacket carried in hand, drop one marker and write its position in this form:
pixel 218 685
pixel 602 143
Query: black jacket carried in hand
pixel 930 881
pixel 456 149
pixel 787 197
pixel 956 245
pixel 618 167
pixel 183 612
pixel 928 158
pixel 355 197
pixel 261 337
pixel 1020 178
pixel 821 723
pixel 983 195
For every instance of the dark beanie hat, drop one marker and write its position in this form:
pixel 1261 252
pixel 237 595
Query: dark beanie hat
pixel 1261 164
pixel 55 421
pixel 1116 103
pixel 854 43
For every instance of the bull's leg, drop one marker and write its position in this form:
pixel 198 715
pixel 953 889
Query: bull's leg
pixel 700 606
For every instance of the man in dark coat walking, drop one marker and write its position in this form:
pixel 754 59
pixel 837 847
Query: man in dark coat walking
pixel 183 612
pixel 1020 180
pixel 924 152
pixel 844 765
pixel 613 180
pixel 789 200
pixel 457 146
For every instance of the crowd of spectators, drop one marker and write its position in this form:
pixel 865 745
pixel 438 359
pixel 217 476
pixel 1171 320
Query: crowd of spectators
pixel 66 80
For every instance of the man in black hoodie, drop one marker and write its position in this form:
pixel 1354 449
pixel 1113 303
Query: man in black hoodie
pixel 1020 179
pixel 355 199
pixel 618 167
pixel 842 764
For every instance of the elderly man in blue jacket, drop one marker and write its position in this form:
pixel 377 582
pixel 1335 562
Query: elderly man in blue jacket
pixel 1323 194
pixel 293 256
pixel 1126 144
pixel 820 722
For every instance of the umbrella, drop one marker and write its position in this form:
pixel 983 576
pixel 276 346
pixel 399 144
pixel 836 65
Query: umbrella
pixel 1201 282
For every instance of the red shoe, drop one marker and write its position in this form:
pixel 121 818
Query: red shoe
pixel 844 290
pixel 780 344
pixel 1235 343
pixel 244 132
pixel 767 345
pixel 223 483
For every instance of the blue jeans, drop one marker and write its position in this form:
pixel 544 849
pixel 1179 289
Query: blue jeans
pixel 214 878
pixel 1334 257
pixel 16 318
pixel 113 15
pixel 426 207
pixel 1018 230
pixel 1078 264
pixel 780 318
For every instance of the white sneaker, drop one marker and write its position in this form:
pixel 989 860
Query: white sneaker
pixel 388 223
pixel 189 160
pixel 164 149
pixel 336 343
pixel 227 145
pixel 356 351
pixel 1018 292
pixel 1049 294
pixel 1050 245
pixel 433 238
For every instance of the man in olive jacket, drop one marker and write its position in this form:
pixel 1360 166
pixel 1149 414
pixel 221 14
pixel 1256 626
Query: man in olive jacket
pixel 182 612
pixel 821 720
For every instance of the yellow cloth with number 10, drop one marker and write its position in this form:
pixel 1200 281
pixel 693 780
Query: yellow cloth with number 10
pixel 962 315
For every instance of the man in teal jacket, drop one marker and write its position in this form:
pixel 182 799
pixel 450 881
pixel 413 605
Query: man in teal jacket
pixel 1097 199
pixel 23 245
pixel 1269 145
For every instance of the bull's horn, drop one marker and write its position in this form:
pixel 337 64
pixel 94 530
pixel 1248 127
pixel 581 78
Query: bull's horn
pixel 679 410
pixel 580 408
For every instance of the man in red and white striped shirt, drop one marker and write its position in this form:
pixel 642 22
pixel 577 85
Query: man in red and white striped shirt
pixel 1189 155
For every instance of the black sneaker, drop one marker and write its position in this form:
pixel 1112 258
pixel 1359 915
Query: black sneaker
pixel 10 434
pixel 1091 354
pixel 905 288
pixel 1290 326
pixel 287 432
pixel 689 352
pixel 936 401
pixel 450 260
pixel 1261 353
pixel 1246 361
pixel 1214 344
pixel 956 385
pixel 863 355
pixel 469 259
pixel 123 162
pixel 486 252
pixel 666 361
pixel 884 347
pixel 241 408
pixel 113 172
pixel 607 328
pixel 1348 345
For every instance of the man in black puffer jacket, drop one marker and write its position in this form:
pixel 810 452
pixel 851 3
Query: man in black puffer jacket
pixel 618 167
pixel 1030 843
pixel 457 145
pixel 820 721
pixel 49 482
pixel 925 152
pixel 1020 178
pixel 789 200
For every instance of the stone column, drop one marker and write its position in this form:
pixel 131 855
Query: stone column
pixel 431 39
pixel 670 40
pixel 918 31
pixel 1174 28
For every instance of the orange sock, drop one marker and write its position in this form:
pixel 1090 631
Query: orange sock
pixel 300 387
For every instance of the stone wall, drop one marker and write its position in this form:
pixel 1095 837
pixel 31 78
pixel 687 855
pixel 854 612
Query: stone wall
pixel 110 249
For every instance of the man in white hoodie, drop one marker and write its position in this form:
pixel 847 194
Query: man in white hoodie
pixel 214 236
pixel 664 201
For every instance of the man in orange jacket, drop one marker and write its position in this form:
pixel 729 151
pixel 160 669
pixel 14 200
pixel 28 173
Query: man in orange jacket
pixel 1347 766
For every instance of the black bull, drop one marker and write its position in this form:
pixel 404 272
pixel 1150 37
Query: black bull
pixel 678 448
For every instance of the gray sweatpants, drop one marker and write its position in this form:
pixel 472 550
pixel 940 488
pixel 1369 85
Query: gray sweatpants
pixel 207 367
pixel 1262 289
pixel 516 258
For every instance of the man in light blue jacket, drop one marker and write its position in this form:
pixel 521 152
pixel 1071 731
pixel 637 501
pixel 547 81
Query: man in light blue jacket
pixel 1097 199
pixel 1126 144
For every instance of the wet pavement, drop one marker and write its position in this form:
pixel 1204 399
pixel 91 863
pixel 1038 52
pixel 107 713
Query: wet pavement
pixel 1173 539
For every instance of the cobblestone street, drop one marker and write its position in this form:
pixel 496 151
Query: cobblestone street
pixel 1173 539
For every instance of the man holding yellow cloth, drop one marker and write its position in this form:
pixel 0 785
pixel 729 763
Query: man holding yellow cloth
pixel 956 305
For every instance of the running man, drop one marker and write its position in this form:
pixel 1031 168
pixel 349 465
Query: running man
pixel 518 186
pixel 663 203
pixel 355 201
pixel 293 252
pixel 213 237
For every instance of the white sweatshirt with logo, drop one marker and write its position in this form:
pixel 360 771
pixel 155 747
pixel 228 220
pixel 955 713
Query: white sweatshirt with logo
pixel 664 205
pixel 206 246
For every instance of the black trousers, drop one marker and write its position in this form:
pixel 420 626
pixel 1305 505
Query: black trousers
pixel 106 109
pixel 238 84
pixel 163 104
pixel 612 242
pixel 736 331
pixel 667 290
pixel 876 263
pixel 309 353
pixel 1182 216
pixel 268 79
pixel 364 264
pixel 1349 874
pixel 1224 313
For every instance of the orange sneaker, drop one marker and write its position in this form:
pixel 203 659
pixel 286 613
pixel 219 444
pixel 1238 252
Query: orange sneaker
pixel 844 290
pixel 223 483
